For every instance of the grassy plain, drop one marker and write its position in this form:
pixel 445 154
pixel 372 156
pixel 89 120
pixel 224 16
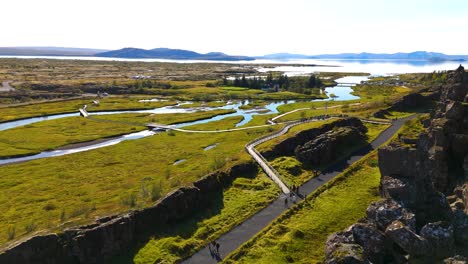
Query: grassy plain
pixel 31 139
pixel 73 189
pixel 106 104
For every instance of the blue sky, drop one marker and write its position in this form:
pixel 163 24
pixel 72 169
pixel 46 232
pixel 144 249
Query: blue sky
pixel 246 27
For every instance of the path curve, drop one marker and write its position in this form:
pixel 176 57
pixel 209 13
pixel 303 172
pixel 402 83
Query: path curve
pixel 6 87
pixel 263 163
pixel 240 234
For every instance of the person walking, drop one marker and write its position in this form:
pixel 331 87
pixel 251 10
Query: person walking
pixel 217 248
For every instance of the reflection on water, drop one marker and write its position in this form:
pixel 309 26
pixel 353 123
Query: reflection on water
pixel 343 90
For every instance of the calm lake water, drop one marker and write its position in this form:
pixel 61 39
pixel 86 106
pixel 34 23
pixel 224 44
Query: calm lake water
pixel 374 67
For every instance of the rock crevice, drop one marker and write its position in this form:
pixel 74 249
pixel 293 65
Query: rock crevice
pixel 423 215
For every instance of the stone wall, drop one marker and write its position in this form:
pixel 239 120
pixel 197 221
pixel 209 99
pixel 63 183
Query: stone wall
pixel 112 235
pixel 423 215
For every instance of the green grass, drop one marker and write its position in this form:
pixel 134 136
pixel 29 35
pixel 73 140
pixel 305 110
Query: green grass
pixel 269 145
pixel 112 179
pixel 413 128
pixel 292 106
pixel 110 103
pixel 246 196
pixel 299 234
pixel 258 120
pixel 225 123
pixel 372 93
pixel 203 104
pixel 31 139
pixel 293 172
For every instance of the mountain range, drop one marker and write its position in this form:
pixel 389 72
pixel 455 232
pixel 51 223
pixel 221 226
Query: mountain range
pixel 417 55
pixel 48 51
pixel 165 53
pixel 179 54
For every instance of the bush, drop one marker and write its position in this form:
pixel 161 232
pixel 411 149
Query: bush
pixel 218 163
pixel 31 226
pixel 156 191
pixel 11 232
pixel 62 216
pixel 129 200
pixel 49 207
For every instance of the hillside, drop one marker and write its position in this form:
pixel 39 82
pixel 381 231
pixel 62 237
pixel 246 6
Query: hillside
pixel 417 55
pixel 165 53
pixel 48 51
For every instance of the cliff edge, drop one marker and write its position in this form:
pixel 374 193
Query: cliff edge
pixel 423 214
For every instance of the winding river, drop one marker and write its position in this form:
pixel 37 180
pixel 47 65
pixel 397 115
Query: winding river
pixel 342 90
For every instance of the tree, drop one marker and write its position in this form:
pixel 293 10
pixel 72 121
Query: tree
pixel 333 96
pixel 311 82
pixel 244 81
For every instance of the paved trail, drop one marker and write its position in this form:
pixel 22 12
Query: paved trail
pixel 6 87
pixel 246 230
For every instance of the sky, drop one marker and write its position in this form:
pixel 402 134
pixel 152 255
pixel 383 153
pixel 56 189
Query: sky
pixel 240 27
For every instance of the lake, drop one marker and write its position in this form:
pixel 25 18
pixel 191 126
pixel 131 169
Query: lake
pixel 374 67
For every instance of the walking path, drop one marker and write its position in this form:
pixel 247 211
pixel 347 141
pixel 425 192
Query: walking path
pixel 246 230
pixel 264 164
pixel 6 87
pixel 307 108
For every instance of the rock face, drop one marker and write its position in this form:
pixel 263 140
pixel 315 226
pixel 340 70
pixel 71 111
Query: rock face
pixel 326 147
pixel 423 98
pixel 112 235
pixel 423 216
pixel 288 146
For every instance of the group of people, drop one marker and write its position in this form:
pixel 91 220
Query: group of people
pixel 295 189
pixel 214 250
pixel 292 195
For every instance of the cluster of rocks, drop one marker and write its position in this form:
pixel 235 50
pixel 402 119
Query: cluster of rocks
pixel 329 145
pixel 287 147
pixel 422 99
pixel 422 217
pixel 114 235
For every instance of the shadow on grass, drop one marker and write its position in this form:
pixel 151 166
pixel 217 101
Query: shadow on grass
pixel 185 228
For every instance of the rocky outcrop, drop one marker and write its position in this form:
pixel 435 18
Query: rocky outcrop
pixel 112 235
pixel 288 145
pixel 328 146
pixel 414 101
pixel 423 216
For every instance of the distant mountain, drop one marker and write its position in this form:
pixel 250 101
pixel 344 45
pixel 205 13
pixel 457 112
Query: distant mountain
pixel 48 51
pixel 417 55
pixel 165 53
pixel 284 56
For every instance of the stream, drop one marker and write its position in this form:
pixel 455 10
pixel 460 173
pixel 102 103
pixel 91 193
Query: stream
pixel 342 91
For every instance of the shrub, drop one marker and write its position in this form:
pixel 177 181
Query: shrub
pixel 30 226
pixel 62 216
pixel 11 232
pixel 156 191
pixel 129 200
